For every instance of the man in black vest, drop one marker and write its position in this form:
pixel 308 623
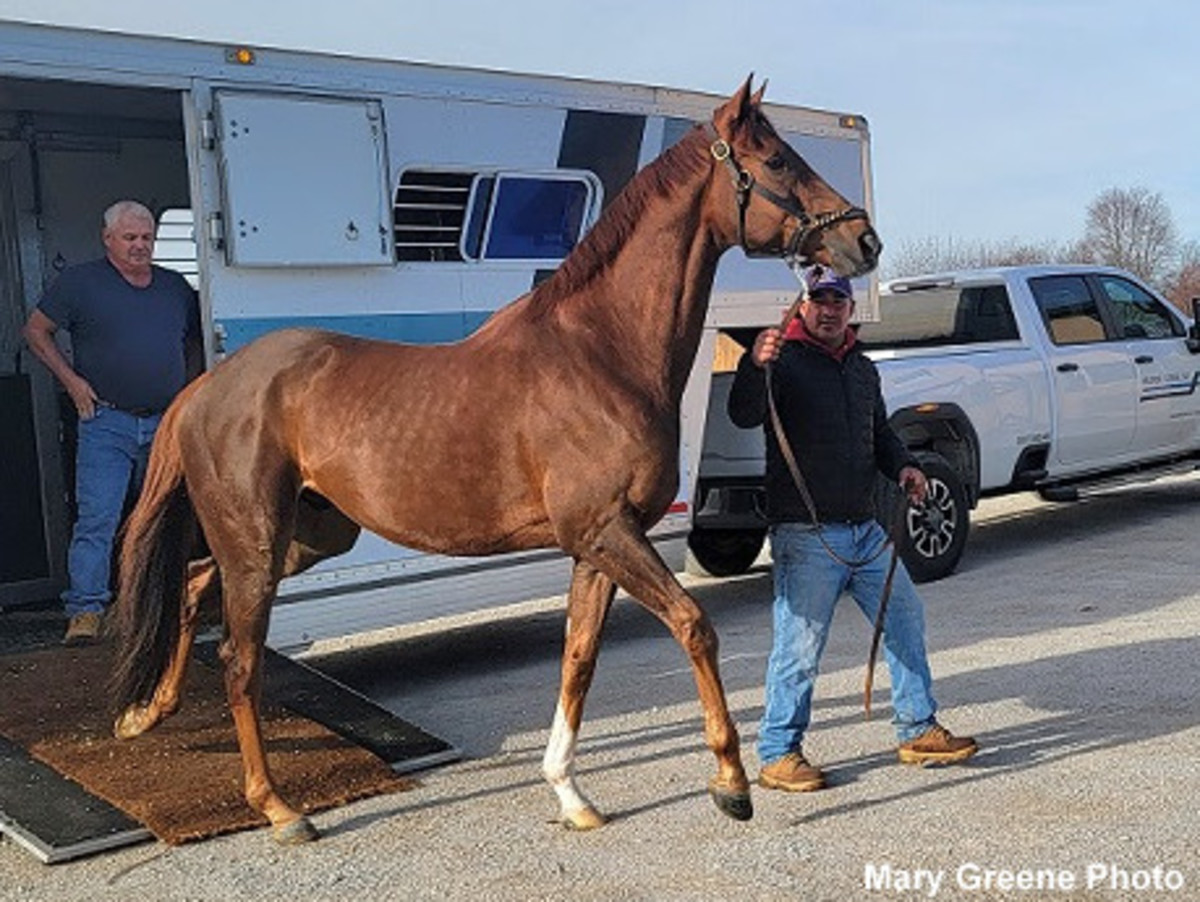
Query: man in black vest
pixel 828 396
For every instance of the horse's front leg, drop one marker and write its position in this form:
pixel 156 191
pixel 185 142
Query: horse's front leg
pixel 203 587
pixel 587 607
pixel 623 552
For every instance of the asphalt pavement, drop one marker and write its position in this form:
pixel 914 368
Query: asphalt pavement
pixel 1066 643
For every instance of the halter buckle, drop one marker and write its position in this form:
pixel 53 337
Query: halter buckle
pixel 720 150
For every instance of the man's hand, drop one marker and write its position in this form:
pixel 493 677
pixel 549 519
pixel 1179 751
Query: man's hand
pixel 913 482
pixel 39 333
pixel 83 396
pixel 767 346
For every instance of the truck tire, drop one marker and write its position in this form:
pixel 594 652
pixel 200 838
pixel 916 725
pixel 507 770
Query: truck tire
pixel 723 552
pixel 932 539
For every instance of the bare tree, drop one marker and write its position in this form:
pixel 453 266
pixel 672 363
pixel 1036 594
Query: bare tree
pixel 930 255
pixel 1132 228
pixel 1184 283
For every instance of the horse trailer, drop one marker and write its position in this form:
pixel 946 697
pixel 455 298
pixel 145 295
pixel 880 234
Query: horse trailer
pixel 380 198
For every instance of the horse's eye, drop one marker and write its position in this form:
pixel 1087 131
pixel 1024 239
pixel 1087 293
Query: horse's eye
pixel 776 162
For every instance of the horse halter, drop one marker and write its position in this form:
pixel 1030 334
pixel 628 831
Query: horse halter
pixel 744 183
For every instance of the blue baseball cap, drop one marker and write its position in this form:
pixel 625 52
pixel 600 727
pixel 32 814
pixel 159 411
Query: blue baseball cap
pixel 822 278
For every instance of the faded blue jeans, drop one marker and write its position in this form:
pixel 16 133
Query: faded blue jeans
pixel 114 447
pixel 808 584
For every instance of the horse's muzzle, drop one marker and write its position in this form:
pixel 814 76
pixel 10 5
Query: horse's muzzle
pixel 871 247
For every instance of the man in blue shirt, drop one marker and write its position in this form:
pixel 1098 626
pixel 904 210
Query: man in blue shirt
pixel 135 341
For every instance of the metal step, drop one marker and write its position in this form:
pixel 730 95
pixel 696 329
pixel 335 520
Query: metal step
pixel 1073 491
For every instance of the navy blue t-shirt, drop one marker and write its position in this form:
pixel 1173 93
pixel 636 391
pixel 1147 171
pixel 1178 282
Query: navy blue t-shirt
pixel 128 342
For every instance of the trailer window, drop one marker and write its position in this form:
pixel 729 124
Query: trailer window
pixel 505 216
pixel 534 218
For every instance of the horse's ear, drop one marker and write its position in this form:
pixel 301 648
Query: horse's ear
pixel 737 110
pixel 756 100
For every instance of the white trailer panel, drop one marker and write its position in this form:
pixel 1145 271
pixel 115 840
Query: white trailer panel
pixel 368 196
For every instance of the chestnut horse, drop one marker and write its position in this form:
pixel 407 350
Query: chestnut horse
pixel 555 424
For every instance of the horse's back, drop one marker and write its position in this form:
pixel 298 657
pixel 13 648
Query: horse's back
pixel 292 356
pixel 311 389
pixel 260 386
pixel 281 345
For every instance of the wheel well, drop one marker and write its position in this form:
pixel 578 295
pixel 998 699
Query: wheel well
pixel 946 430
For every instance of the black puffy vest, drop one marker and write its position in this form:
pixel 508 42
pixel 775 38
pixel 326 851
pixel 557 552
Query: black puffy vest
pixel 835 420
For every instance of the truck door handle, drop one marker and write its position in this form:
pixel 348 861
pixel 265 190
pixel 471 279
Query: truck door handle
pixel 1067 367
pixel 1143 358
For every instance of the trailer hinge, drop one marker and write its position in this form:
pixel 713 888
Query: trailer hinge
pixel 219 339
pixel 208 132
pixel 216 230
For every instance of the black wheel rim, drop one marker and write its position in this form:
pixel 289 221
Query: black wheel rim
pixel 932 527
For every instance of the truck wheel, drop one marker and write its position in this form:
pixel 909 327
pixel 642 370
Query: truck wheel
pixel 723 552
pixel 933 538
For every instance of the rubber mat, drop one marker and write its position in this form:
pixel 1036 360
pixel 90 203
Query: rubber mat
pixel 67 788
pixel 53 818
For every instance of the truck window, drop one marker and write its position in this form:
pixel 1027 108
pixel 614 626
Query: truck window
pixel 1068 309
pixel 942 315
pixel 1138 313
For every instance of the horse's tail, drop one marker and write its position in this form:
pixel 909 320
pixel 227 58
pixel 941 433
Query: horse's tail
pixel 156 543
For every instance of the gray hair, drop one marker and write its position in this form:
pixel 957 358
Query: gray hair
pixel 126 209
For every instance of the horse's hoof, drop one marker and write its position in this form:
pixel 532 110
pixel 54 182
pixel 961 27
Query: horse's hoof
pixel 294 833
pixel 132 722
pixel 736 805
pixel 583 819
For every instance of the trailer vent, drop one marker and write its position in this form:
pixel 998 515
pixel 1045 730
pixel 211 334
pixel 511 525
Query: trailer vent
pixel 175 244
pixel 430 213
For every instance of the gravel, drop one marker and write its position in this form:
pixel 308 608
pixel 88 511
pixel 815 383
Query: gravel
pixel 1066 643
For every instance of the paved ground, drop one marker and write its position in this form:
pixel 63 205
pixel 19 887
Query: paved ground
pixel 1067 643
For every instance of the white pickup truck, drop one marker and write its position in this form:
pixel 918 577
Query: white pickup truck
pixel 1047 378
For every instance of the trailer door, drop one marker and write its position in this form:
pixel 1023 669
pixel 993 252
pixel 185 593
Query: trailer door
pixel 25 568
pixel 304 180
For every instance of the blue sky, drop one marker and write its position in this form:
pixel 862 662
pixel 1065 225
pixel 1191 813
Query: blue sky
pixel 990 121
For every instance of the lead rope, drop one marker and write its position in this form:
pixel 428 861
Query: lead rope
pixel 789 457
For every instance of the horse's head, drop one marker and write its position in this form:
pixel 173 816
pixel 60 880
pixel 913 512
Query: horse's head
pixel 775 204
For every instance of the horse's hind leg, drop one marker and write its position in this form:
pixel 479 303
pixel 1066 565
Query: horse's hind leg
pixel 203 591
pixel 248 529
pixel 322 531
pixel 622 550
pixel 248 593
pixel 587 607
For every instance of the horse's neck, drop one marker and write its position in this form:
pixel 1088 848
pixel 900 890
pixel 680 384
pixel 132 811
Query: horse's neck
pixel 654 298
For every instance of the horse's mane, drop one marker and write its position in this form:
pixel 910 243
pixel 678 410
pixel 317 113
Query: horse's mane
pixel 599 247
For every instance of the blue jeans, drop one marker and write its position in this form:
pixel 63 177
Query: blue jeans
pixel 114 447
pixel 808 584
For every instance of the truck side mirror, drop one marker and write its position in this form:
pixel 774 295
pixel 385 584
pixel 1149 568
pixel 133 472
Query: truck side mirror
pixel 1193 335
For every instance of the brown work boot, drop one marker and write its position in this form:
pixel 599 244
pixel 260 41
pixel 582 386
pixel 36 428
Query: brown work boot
pixel 84 629
pixel 791 773
pixel 937 745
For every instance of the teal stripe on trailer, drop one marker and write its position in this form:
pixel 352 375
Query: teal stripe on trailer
pixel 414 328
